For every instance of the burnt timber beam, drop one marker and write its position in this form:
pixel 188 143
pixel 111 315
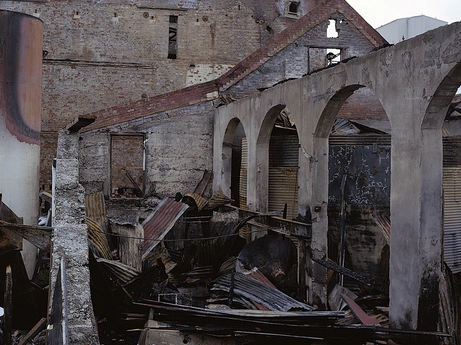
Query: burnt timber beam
pixel 39 236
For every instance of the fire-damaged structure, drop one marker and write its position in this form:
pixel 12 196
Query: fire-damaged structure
pixel 297 197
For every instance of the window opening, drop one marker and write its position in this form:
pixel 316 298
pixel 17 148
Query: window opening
pixel 333 56
pixel 293 7
pixel 332 31
pixel 172 37
pixel 127 166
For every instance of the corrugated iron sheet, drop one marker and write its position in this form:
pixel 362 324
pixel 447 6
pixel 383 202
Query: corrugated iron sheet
pixel 283 189
pixel 451 151
pixel 452 217
pixel 95 208
pixel 160 221
pixel 123 273
pixel 362 140
pixel 243 176
pixel 284 151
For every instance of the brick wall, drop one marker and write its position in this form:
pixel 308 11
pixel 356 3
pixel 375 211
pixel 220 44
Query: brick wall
pixel 304 56
pixel 179 148
pixel 100 54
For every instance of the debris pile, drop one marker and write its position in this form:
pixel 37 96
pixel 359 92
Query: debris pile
pixel 187 272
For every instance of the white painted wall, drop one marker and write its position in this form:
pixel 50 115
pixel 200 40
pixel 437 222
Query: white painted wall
pixel 406 28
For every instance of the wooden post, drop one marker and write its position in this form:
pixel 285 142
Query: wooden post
pixel 8 306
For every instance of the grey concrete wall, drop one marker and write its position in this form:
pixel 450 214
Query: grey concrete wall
pixel 415 82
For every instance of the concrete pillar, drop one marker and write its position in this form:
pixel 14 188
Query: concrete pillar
pixel 70 240
pixel 416 218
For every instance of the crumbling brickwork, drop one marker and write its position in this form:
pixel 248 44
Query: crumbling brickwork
pixel 100 54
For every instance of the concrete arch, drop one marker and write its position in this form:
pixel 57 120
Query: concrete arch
pixel 440 101
pixel 414 81
pixel 331 110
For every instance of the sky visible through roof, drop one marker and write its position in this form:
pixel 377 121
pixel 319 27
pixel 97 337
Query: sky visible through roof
pixel 378 13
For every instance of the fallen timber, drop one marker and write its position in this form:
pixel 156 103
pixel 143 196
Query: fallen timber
pixel 279 326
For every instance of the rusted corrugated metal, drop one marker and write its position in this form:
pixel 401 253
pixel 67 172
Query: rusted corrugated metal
pixel 452 217
pixel 123 273
pixel 283 173
pixel 95 208
pixel 160 221
pixel 243 176
pixel 284 151
pixel 360 140
pixel 451 151
pixel 283 189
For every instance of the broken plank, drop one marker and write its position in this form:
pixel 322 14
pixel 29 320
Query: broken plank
pixel 200 188
pixel 34 331
pixel 39 236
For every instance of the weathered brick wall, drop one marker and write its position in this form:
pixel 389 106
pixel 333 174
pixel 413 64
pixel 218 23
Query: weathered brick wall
pixel 363 104
pixel 102 53
pixel 179 148
pixel 179 141
pixel 294 60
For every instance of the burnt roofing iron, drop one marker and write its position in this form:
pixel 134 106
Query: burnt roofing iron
pixel 160 221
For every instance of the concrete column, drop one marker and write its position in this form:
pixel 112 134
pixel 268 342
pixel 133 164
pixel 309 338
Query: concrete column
pixel 70 240
pixel 319 207
pixel 416 235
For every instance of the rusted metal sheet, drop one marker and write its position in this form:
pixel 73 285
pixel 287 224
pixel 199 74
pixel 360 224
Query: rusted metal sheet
pixel 284 151
pixel 254 290
pixel 160 221
pixel 451 151
pixel 21 38
pixel 283 189
pixel 452 217
pixel 243 188
pixel 283 173
pixel 360 313
pixel 95 208
pixel 200 189
pixel 121 272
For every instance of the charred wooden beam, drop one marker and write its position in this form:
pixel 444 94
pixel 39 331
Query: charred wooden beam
pixel 8 307
pixel 34 331
pixel 80 122
pixel 354 275
pixel 39 236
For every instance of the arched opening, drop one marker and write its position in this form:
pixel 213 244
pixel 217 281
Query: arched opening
pixel 359 157
pixel 235 163
pixel 280 145
pixel 284 166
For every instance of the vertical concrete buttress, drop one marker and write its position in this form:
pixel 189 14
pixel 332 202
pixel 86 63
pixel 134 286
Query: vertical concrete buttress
pixel 70 240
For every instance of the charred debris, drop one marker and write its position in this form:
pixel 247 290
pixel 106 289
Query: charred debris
pixel 188 269
pixel 195 270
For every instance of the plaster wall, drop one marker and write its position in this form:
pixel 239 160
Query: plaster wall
pixel 415 82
